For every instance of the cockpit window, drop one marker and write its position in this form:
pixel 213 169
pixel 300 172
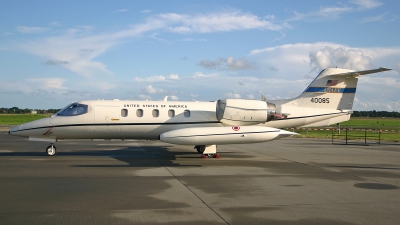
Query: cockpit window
pixel 74 109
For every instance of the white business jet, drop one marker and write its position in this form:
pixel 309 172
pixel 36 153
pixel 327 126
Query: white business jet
pixel 327 100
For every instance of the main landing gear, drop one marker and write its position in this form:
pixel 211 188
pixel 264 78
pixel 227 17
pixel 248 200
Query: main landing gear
pixel 51 150
pixel 200 148
pixel 209 151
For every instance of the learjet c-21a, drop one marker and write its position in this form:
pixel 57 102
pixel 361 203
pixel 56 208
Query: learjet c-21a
pixel 327 100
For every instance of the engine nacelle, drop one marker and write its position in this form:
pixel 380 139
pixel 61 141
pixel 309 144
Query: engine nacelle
pixel 242 112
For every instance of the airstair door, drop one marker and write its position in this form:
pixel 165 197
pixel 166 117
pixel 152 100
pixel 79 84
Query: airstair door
pixel 107 119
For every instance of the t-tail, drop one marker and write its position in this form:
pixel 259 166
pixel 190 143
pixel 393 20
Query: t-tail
pixel 327 100
pixel 333 88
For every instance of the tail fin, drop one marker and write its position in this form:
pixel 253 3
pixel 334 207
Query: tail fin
pixel 333 88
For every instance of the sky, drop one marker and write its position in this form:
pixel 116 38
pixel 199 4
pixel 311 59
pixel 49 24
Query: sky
pixel 53 53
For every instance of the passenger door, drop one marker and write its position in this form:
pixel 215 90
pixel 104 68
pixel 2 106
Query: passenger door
pixel 107 119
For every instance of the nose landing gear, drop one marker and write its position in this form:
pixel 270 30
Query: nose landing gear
pixel 51 150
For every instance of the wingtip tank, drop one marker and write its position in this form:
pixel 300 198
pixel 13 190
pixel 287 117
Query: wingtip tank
pixel 223 135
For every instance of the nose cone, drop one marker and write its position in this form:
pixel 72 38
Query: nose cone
pixel 31 129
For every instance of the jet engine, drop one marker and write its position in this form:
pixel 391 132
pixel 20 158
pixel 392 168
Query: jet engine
pixel 242 112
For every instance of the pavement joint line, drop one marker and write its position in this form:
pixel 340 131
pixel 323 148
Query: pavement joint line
pixel 319 167
pixel 198 197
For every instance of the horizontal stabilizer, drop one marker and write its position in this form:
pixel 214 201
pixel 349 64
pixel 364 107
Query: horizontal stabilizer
pixel 359 73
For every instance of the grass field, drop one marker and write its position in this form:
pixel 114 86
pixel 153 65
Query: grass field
pixel 16 119
pixel 373 123
pixel 353 123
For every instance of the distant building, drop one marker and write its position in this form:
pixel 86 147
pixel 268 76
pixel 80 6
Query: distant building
pixel 33 112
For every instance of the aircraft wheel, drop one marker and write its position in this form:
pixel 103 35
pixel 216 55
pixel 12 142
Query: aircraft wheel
pixel 51 150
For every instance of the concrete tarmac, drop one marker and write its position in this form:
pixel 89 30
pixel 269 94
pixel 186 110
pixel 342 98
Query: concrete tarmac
pixel 287 181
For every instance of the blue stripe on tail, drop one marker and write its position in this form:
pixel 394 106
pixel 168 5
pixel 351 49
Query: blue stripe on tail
pixel 330 90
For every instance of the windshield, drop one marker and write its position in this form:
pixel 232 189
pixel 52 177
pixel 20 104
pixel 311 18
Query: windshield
pixel 73 109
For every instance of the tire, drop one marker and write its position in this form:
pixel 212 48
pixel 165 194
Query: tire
pixel 201 149
pixel 51 150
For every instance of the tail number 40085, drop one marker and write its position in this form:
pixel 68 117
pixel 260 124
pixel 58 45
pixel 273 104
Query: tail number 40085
pixel 320 100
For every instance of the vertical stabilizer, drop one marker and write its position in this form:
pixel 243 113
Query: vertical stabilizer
pixel 333 88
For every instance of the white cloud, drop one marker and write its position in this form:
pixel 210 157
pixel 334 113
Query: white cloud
pixel 100 85
pixel 121 10
pixel 233 95
pixel 340 57
pixel 173 98
pixel 8 34
pixel 52 63
pixel 78 31
pixel 32 30
pixel 159 78
pixel 144 97
pixel 192 39
pixel 218 22
pixel 15 87
pixel 366 4
pixel 151 90
pixel 229 63
pixel 295 63
pixel 398 67
pixel 174 77
pixel 334 12
pixel 55 24
pixel 154 37
pixel 324 13
pixel 374 18
pixel 68 47
pixel 150 79
pixel 202 75
pixel 367 105
pixel 321 55
pixel 48 83
pixel 250 96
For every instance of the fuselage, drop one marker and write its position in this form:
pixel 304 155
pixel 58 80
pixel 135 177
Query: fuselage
pixel 115 119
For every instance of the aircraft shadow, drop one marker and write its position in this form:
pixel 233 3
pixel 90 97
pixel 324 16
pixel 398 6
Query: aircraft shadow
pixel 146 156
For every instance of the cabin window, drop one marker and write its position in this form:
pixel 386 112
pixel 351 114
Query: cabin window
pixel 73 109
pixel 171 113
pixel 124 112
pixel 186 113
pixel 156 113
pixel 139 112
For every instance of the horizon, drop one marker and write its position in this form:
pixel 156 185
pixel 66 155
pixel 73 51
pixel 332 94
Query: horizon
pixel 194 51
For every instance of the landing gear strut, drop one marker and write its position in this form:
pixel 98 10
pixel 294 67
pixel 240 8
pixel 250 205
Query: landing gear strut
pixel 51 150
pixel 209 151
